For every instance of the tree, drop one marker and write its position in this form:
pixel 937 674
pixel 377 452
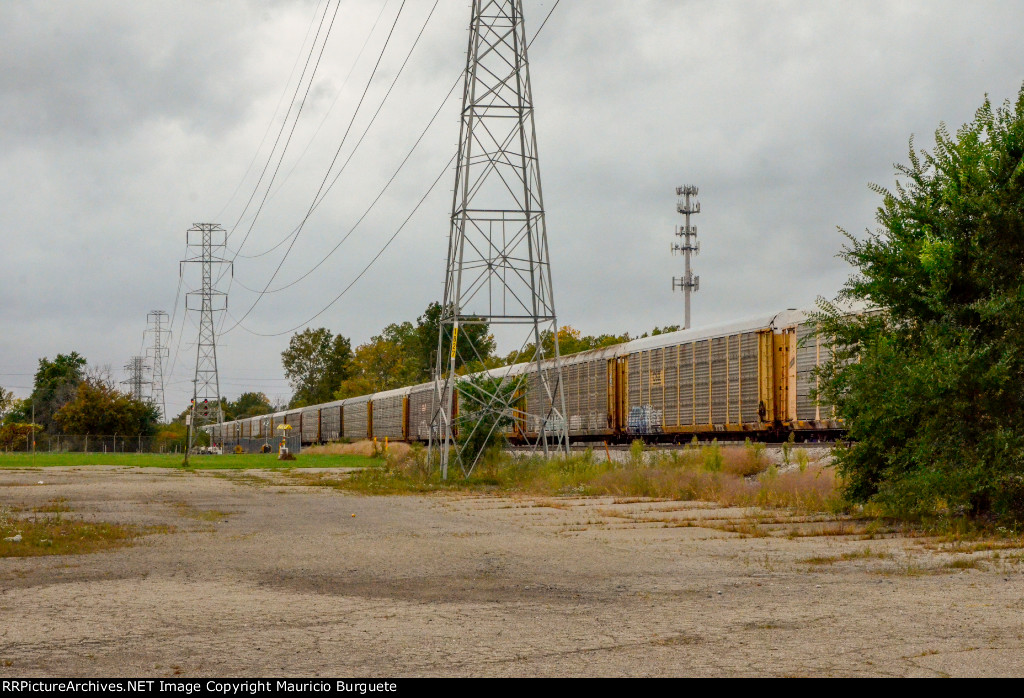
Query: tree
pixel 99 409
pixel 55 384
pixel 570 341
pixel 929 379
pixel 315 363
pixel 248 405
pixel 476 344
pixel 7 401
pixel 387 361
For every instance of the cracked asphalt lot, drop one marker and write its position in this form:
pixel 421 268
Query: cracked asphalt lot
pixel 264 575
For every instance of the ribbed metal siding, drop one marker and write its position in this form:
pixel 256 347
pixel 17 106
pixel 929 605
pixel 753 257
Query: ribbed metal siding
pixel 702 378
pixel 388 417
pixel 634 381
pixel 356 415
pixel 812 351
pixel 719 376
pixel 685 387
pixel 538 402
pixel 420 404
pixel 330 423
pixel 806 360
pixel 733 362
pixel 310 425
pixel 586 396
pixel 748 378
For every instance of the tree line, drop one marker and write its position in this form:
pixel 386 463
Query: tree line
pixel 322 366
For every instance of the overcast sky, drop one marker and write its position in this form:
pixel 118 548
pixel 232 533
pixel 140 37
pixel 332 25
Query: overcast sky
pixel 122 123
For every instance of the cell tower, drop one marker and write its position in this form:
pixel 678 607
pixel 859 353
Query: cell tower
pixel 203 239
pixel 688 206
pixel 160 336
pixel 136 381
pixel 499 269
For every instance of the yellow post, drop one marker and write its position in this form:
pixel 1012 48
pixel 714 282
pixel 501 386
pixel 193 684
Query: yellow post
pixel 385 444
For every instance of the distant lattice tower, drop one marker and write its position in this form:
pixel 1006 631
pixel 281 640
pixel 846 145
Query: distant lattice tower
pixel 158 350
pixel 206 242
pixel 499 269
pixel 688 206
pixel 136 381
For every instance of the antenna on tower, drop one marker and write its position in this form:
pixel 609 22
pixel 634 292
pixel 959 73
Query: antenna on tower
pixel 687 205
pixel 160 336
pixel 499 269
pixel 202 240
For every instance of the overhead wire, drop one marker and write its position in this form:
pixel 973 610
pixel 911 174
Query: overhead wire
pixel 238 322
pixel 284 149
pixel 387 184
pixel 277 108
pixel 327 175
pixel 316 132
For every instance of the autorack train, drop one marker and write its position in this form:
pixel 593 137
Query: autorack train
pixel 754 378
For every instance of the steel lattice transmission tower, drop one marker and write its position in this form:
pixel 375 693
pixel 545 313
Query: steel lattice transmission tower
pixel 136 381
pixel 160 336
pixel 499 270
pixel 688 206
pixel 206 242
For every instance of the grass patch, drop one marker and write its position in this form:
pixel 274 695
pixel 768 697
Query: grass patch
pixel 862 554
pixel 735 477
pixel 964 564
pixel 228 461
pixel 54 506
pixel 56 535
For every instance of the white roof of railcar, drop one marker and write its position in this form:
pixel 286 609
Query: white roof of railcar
pixel 751 324
pixel 391 393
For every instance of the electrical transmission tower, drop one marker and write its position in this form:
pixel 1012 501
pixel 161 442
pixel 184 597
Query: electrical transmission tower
pixel 206 242
pixel 688 206
pixel 160 337
pixel 136 381
pixel 499 271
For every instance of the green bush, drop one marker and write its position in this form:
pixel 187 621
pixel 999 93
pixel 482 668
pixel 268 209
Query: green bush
pixel 929 378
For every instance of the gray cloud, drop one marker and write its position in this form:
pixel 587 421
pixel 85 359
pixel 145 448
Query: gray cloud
pixel 123 123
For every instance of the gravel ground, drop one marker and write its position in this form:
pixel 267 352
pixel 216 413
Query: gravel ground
pixel 266 577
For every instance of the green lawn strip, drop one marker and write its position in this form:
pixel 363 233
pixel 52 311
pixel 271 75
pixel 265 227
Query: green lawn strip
pixel 229 461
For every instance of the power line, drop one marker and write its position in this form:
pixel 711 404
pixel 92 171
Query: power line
pixel 373 204
pixel 284 123
pixel 316 132
pixel 277 108
pixel 333 160
pixel 284 149
pixel 238 322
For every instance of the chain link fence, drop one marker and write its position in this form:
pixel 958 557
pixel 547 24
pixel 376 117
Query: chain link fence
pixel 90 443
pixel 245 444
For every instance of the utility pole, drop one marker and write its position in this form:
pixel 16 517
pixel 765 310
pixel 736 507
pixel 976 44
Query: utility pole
pixel 687 205
pixel 206 243
pixel 136 370
pixel 160 338
pixel 498 271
